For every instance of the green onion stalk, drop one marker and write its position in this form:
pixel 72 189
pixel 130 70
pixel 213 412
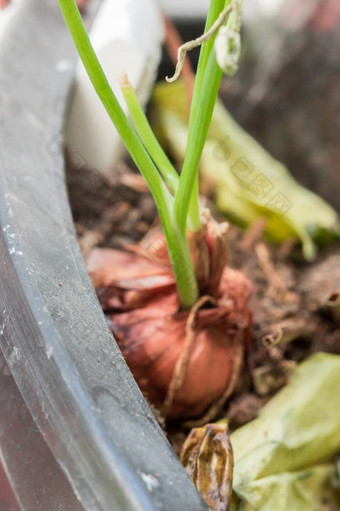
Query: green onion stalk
pixel 170 191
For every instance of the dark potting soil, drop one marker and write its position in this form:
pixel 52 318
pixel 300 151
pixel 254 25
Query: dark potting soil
pixel 294 304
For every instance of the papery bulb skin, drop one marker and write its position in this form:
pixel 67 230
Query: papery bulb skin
pixel 139 297
pixel 152 339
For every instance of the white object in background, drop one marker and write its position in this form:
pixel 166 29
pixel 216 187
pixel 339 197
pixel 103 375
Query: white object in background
pixel 126 35
pixel 6 15
pixel 199 8
pixel 258 9
pixel 186 8
pixel 267 8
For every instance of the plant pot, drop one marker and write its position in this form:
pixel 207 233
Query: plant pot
pixel 81 413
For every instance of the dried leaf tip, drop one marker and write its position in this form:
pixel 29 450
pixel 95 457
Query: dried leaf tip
pixel 123 79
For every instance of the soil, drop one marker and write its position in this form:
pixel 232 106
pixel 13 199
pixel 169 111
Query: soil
pixel 295 305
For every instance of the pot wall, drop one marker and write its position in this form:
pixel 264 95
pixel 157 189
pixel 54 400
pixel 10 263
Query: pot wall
pixel 67 366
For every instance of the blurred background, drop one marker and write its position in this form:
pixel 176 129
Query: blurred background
pixel 286 93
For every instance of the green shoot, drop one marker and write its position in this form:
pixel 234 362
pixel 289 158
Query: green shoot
pixel 207 82
pixel 112 106
pixel 177 243
pixel 146 134
pixel 155 150
pixel 169 190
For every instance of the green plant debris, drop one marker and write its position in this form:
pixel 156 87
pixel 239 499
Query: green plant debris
pixel 285 459
pixel 247 182
pixel 309 490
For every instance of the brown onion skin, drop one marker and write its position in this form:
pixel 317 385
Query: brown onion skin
pixel 150 329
